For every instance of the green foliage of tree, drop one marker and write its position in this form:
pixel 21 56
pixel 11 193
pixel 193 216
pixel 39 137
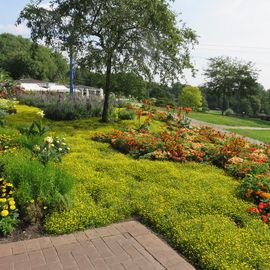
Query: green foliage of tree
pixel 129 84
pixel 84 76
pixel 265 102
pixel 139 36
pixel 21 59
pixel 6 83
pixel 227 78
pixel 191 96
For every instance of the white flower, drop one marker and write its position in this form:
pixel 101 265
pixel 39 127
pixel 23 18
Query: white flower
pixel 36 148
pixel 41 114
pixel 60 149
pixel 68 148
pixel 48 140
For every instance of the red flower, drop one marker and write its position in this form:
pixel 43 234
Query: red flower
pixel 253 210
pixel 264 218
pixel 261 205
pixel 188 110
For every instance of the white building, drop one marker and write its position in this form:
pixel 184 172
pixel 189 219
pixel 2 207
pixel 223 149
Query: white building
pixel 32 87
pixel 41 86
pixel 87 91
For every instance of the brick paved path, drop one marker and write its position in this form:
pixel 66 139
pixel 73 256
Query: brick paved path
pixel 121 246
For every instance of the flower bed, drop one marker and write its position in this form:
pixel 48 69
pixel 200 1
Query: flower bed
pixel 194 205
pixel 29 175
pixel 236 155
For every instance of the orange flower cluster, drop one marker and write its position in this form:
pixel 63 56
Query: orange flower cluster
pixel 203 144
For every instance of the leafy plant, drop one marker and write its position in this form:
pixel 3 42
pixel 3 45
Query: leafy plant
pixel 126 114
pixel 35 129
pixel 52 149
pixel 50 185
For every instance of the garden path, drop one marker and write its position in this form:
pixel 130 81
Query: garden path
pixel 128 245
pixel 224 128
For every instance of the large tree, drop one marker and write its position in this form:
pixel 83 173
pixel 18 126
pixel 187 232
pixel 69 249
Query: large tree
pixel 139 36
pixel 228 77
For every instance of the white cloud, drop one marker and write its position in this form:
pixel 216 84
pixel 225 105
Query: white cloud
pixel 16 30
pixel 46 6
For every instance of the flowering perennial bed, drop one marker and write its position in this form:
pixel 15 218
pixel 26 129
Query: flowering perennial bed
pixel 193 204
pixel 236 155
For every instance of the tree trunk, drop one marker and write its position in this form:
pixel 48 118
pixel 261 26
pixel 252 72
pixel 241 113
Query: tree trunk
pixel 107 90
pixel 224 102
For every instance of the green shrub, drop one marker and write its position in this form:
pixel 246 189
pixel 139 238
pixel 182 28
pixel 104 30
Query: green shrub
pixel 33 181
pixel 228 112
pixel 63 107
pixel 126 114
pixel 8 105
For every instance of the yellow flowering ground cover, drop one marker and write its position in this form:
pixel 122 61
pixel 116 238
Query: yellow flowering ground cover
pixel 195 206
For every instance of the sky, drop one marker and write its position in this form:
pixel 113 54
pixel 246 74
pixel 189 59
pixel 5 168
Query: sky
pixel 235 28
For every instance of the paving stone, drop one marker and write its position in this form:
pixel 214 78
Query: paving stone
pixel 7 266
pixel 45 242
pixel 5 250
pixel 18 248
pixel 122 246
pixel 50 255
pixel 32 245
pixel 102 248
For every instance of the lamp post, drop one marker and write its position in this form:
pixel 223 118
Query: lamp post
pixel 71 64
pixel 71 72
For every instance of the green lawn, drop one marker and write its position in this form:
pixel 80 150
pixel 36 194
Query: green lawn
pixel 261 135
pixel 215 117
pixel 195 206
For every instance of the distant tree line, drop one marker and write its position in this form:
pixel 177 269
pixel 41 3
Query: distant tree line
pixel 233 84
pixel 230 83
pixel 20 58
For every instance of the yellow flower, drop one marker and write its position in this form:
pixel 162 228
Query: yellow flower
pixel 41 114
pixel 4 213
pixel 12 207
pixel 32 201
pixel 11 192
pixel 3 199
pixel 11 202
